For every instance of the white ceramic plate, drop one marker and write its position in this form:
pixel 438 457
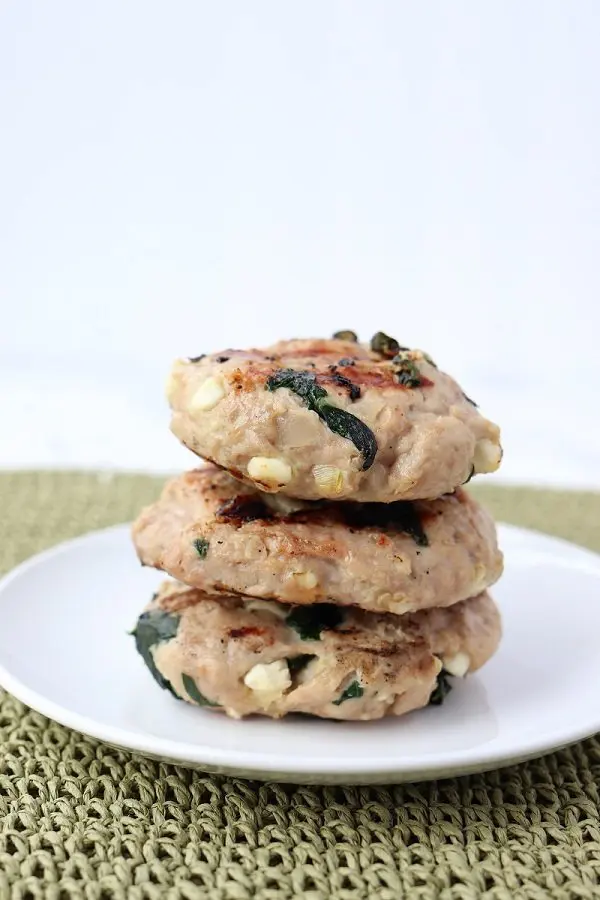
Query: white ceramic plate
pixel 65 651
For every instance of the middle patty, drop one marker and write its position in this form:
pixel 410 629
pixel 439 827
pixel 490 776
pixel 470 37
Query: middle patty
pixel 212 532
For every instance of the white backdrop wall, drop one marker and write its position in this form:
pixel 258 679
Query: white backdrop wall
pixel 177 177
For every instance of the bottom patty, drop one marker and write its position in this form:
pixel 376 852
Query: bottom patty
pixel 247 656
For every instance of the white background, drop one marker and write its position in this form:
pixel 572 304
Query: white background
pixel 178 177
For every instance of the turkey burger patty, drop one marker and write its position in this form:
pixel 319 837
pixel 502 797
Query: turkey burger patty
pixel 212 532
pixel 246 656
pixel 333 418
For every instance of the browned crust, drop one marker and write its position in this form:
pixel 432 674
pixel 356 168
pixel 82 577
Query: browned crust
pixel 323 358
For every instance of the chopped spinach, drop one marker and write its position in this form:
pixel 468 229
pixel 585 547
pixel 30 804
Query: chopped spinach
pixel 427 357
pixel 346 336
pixel 385 345
pixel 155 626
pixel 441 690
pixel 352 691
pixel 297 663
pixel 222 359
pixel 468 399
pixel 470 475
pixel 195 359
pixel 201 546
pixel 191 689
pixel 408 373
pixel 304 384
pixel 346 361
pixel 310 621
pixel 348 426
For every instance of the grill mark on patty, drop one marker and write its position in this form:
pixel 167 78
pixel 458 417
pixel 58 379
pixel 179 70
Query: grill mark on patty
pixel 245 380
pixel 180 600
pixel 294 545
pixel 400 516
pixel 382 649
pixel 244 508
pixel 246 631
pixel 365 372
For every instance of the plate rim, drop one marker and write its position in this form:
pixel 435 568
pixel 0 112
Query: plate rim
pixel 271 765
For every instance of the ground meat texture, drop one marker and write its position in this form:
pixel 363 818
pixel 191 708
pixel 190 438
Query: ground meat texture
pixel 243 656
pixel 329 419
pixel 212 532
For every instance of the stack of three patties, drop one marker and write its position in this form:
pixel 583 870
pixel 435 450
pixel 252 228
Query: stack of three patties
pixel 328 560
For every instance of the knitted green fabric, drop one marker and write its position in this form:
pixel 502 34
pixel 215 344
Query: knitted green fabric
pixel 79 819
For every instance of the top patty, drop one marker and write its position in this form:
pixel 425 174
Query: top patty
pixel 332 418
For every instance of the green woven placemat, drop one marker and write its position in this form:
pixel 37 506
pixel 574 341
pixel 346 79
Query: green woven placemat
pixel 79 819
